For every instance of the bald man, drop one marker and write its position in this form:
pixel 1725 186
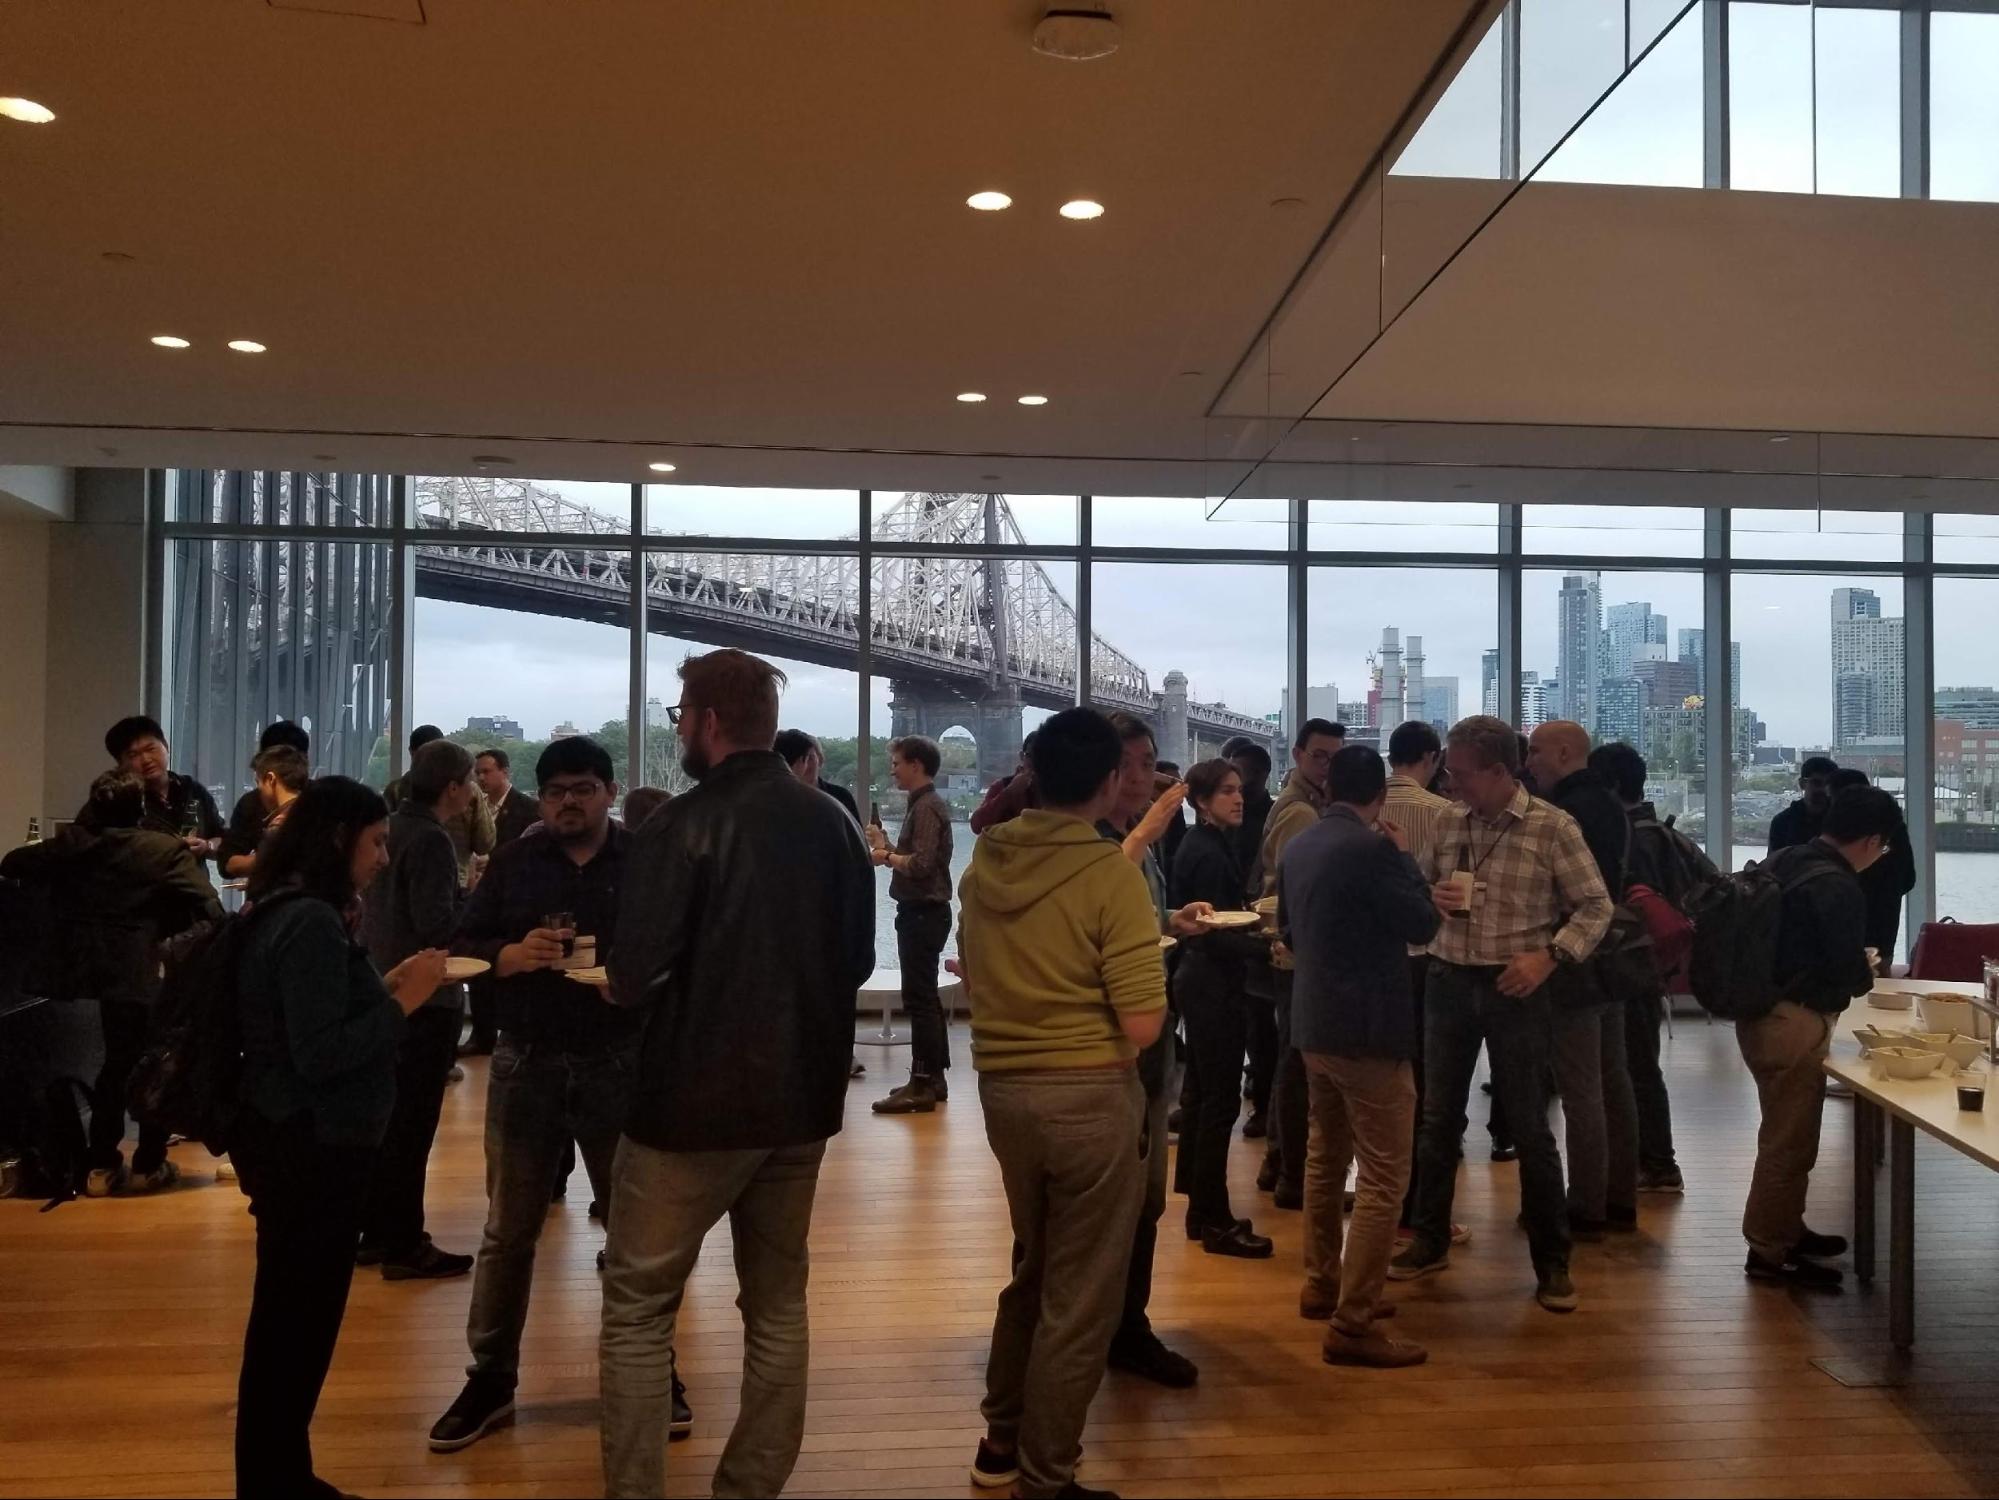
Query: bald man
pixel 1592 1070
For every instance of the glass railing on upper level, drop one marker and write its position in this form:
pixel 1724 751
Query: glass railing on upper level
pixel 1797 96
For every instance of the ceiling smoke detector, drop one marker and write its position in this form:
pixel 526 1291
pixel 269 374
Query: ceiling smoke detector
pixel 1077 33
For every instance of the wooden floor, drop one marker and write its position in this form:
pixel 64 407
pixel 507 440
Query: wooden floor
pixel 120 1321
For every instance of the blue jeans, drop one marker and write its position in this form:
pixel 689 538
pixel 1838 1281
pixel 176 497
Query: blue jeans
pixel 1461 1008
pixel 537 1101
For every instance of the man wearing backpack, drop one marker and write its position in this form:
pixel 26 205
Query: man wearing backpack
pixel 1663 865
pixel 1820 964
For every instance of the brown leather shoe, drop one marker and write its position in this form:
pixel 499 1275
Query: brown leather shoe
pixel 1376 1351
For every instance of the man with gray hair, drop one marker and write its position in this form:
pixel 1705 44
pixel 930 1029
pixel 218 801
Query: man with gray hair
pixel 1521 897
pixel 412 906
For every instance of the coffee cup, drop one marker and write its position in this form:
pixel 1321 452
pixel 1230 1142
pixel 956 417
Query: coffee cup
pixel 585 956
pixel 1971 1096
pixel 1464 883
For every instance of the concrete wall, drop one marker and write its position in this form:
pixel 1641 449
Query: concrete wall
pixel 24 610
pixel 98 619
pixel 36 493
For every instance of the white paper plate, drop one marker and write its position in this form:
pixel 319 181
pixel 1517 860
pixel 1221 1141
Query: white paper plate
pixel 1230 919
pixel 456 969
pixel 587 976
pixel 1168 941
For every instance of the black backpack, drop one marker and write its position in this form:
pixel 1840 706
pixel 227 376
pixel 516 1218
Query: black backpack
pixel 188 1080
pixel 1737 919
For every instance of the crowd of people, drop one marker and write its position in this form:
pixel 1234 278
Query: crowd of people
pixel 1350 943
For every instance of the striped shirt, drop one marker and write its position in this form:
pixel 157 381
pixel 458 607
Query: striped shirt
pixel 1414 808
pixel 1539 884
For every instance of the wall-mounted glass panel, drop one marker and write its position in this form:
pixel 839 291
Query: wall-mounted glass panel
pixel 1188 521
pixel 1460 137
pixel 1823 668
pixel 1967 750
pixel 1570 52
pixel 972 519
pixel 1966 539
pixel 258 497
pixel 718 510
pixel 1612 530
pixel 1770 97
pixel 1858 101
pixel 1622 654
pixel 573 507
pixel 1650 131
pixel 1964 106
pixel 515 646
pixel 257 631
pixel 1384 645
pixel 1402 526
pixel 1197 651
pixel 1817 535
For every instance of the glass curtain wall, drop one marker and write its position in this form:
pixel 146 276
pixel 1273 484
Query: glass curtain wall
pixel 504 611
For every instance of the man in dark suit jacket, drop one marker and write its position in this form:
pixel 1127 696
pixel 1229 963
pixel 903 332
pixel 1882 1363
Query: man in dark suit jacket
pixel 514 811
pixel 1352 902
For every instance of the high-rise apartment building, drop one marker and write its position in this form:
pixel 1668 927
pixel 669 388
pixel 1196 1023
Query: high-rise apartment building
pixel 1867 669
pixel 1579 645
pixel 1631 632
pixel 1693 650
pixel 1619 701
pixel 1488 680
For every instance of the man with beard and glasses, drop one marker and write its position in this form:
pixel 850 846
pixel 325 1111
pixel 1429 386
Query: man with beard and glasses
pixel 748 925
pixel 564 1063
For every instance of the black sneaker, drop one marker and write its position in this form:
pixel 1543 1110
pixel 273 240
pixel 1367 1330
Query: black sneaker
pixel 480 1407
pixel 369 1255
pixel 1417 1259
pixel 597 1210
pixel 1620 1220
pixel 1807 1274
pixel 428 1264
pixel 1288 1197
pixel 1555 1291
pixel 1661 1180
pixel 1504 1152
pixel 683 1414
pixel 991 1470
pixel 1142 1354
pixel 1256 1127
pixel 1266 1176
pixel 1814 1246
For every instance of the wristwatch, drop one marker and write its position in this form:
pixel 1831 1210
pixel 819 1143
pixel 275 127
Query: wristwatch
pixel 1561 956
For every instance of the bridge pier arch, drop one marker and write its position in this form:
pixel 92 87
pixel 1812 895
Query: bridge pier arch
pixel 994 719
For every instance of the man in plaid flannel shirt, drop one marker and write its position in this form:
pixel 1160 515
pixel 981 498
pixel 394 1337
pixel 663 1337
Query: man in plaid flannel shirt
pixel 1537 904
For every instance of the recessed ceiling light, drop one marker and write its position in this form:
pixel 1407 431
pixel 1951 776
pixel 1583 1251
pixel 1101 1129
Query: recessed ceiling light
pixel 1033 400
pixel 1077 33
pixel 169 341
pixel 1780 437
pixel 26 111
pixel 990 201
pixel 246 346
pixel 662 468
pixel 491 458
pixel 970 397
pixel 1082 208
pixel 325 458
pixel 1287 203
pixel 118 257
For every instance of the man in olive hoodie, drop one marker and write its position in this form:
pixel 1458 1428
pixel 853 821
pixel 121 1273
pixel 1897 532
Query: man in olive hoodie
pixel 1060 949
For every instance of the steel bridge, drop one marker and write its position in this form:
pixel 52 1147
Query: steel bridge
pixel 962 639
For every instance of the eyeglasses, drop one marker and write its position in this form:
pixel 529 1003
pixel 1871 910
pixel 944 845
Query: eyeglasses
pixel 673 714
pixel 571 791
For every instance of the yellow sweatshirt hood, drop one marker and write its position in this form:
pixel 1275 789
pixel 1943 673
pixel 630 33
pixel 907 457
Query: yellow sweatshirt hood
pixel 1025 859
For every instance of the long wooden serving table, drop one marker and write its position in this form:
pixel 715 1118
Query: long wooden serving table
pixel 1905 1106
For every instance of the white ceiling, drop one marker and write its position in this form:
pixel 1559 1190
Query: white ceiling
pixel 732 230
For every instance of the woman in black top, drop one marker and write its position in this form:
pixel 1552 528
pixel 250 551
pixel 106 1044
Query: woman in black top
pixel 320 1029
pixel 1208 987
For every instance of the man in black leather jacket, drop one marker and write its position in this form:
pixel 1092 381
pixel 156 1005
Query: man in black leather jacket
pixel 746 926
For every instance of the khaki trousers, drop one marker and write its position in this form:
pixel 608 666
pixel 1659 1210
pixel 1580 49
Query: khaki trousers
pixel 1784 1050
pixel 1365 1108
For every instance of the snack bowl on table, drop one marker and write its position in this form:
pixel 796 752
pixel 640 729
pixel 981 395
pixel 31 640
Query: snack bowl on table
pixel 1962 1051
pixel 1905 1063
pixel 1945 1011
pixel 1871 1037
pixel 1882 997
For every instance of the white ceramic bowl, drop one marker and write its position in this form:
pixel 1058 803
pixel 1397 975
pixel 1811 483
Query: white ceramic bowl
pixel 1871 1037
pixel 1906 1063
pixel 1962 1051
pixel 1884 999
pixel 1946 1012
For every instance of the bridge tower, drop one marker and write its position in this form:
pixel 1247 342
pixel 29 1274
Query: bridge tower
pixel 993 717
pixel 1174 744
